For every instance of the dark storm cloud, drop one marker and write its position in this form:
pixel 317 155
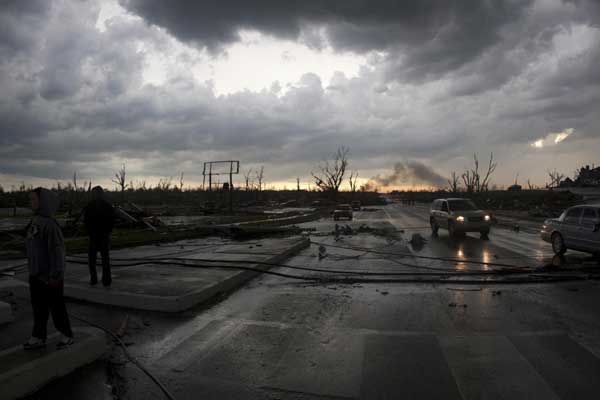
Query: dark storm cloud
pixel 454 76
pixel 18 22
pixel 424 37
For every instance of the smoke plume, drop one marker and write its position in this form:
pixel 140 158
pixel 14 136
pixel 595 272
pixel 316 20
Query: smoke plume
pixel 411 173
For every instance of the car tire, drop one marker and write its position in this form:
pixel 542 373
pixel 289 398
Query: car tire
pixel 434 227
pixel 558 244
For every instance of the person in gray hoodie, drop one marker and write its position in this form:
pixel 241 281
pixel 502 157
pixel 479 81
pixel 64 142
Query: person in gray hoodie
pixel 46 261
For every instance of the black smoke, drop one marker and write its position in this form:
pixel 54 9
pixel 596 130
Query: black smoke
pixel 412 173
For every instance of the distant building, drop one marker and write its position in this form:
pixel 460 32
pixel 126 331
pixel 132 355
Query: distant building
pixel 588 176
pixel 567 183
pixel 585 177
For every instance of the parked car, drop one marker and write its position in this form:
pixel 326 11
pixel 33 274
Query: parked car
pixel 342 211
pixel 459 216
pixel 578 228
pixel 355 205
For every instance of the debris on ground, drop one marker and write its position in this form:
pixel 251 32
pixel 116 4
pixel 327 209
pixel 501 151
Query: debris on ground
pixel 455 305
pixel 343 230
pixel 322 252
pixel 417 241
pixel 347 230
pixel 123 327
pixel 253 232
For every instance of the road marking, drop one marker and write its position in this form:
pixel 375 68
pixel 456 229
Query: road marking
pixel 198 345
pixel 406 367
pixel 491 367
pixel 388 214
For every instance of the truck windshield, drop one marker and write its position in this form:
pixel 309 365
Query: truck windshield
pixel 461 205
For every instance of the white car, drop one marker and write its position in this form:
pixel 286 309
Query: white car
pixel 578 228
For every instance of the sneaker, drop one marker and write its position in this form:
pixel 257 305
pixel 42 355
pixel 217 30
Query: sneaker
pixel 65 342
pixel 34 343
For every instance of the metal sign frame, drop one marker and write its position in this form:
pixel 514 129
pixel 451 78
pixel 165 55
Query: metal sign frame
pixel 210 173
pixel 231 163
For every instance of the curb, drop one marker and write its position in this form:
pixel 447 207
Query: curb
pixel 177 303
pixel 50 364
pixel 19 288
pixel 282 221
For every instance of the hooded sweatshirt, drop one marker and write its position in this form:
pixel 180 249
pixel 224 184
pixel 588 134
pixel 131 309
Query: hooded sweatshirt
pixel 45 243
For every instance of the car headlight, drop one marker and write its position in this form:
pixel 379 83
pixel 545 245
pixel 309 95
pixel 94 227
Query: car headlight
pixel 460 218
pixel 486 217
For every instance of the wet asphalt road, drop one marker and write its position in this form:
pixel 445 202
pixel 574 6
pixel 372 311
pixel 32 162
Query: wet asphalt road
pixel 278 338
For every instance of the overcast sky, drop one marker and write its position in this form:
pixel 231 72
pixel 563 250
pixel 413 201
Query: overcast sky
pixel 163 86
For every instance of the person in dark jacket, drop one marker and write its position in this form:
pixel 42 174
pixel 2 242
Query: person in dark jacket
pixel 46 261
pixel 99 219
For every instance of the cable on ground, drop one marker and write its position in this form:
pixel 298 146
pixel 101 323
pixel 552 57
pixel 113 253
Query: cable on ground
pixel 182 262
pixel 404 254
pixel 128 355
pixel 540 278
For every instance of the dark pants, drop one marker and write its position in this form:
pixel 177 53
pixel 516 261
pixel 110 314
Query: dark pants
pixel 47 300
pixel 100 243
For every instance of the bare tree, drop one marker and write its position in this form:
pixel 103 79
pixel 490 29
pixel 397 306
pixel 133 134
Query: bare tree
pixel 247 175
pixel 120 180
pixel 260 176
pixel 484 183
pixel 453 182
pixel 353 181
pixel 530 185
pixel 469 181
pixel 181 182
pixel 75 180
pixel 297 183
pixel 331 173
pixel 141 185
pixel 473 180
pixel 164 183
pixel 555 178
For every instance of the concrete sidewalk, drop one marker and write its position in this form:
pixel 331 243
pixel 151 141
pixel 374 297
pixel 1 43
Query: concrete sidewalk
pixel 171 288
pixel 9 287
pixel 24 372
pixel 5 313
